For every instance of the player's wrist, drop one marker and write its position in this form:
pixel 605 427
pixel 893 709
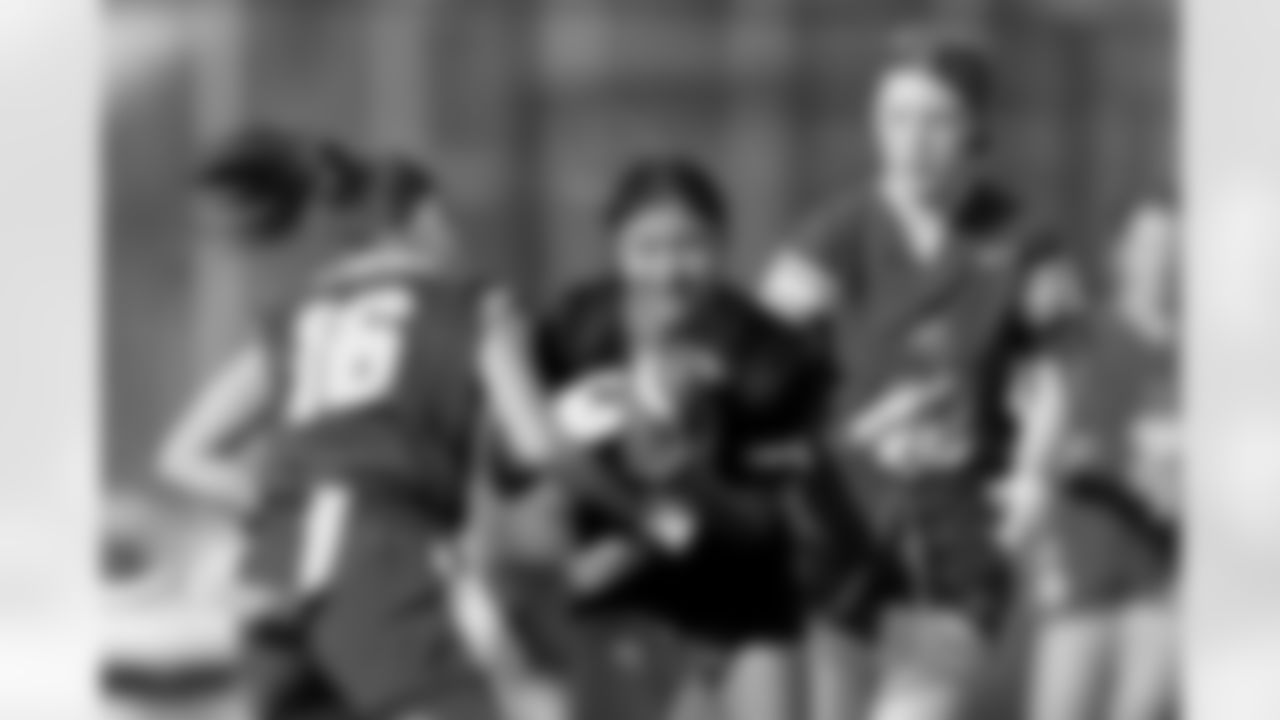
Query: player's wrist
pixel 673 526
pixel 1025 503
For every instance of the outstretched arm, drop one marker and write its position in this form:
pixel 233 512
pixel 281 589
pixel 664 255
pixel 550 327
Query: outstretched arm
pixel 521 413
pixel 206 453
pixel 1041 407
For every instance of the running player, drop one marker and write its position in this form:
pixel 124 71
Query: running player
pixel 367 385
pixel 1108 553
pixel 696 409
pixel 266 189
pixel 929 280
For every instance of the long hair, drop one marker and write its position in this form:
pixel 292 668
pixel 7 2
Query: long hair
pixel 673 179
pixel 263 173
pixel 958 60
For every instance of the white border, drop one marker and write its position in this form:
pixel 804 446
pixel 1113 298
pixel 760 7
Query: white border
pixel 1232 178
pixel 49 360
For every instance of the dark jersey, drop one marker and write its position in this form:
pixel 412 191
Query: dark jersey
pixel 375 384
pixel 1115 524
pixel 963 322
pixel 1118 381
pixel 963 318
pixel 377 421
pixel 769 383
pixel 763 398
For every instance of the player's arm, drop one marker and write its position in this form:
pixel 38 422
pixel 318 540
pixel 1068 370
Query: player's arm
pixel 797 290
pixel 1027 491
pixel 530 426
pixel 1040 401
pixel 206 453
pixel 517 401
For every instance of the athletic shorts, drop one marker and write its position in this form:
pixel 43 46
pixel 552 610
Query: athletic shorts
pixel 930 543
pixel 1107 546
pixel 373 638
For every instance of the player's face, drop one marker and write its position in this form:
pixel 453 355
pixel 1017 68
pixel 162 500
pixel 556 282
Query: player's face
pixel 666 248
pixel 1147 267
pixel 667 257
pixel 922 129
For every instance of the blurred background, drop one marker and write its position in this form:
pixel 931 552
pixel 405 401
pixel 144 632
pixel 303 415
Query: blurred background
pixel 528 109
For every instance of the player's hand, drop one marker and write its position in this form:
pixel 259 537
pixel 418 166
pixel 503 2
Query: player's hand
pixel 601 565
pixel 475 608
pixel 922 448
pixel 671 526
pixel 482 622
pixel 900 407
pixel 1023 507
pixel 1156 463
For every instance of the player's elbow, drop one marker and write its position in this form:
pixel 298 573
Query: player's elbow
pixel 178 466
pixel 191 469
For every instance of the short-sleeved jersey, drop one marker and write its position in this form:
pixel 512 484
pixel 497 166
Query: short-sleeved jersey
pixel 375 386
pixel 764 392
pixel 963 317
pixel 769 384
pixel 1118 380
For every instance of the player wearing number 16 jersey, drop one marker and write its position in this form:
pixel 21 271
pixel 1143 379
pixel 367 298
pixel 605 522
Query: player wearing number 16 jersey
pixel 377 413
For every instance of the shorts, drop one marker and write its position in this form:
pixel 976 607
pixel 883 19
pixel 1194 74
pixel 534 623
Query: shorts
pixel 377 640
pixel 726 592
pixel 363 660
pixel 931 543
pixel 1107 546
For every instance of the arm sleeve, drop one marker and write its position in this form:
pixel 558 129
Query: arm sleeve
pixel 818 267
pixel 781 394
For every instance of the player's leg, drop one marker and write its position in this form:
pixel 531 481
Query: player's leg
pixel 1145 686
pixel 839 673
pixel 1070 665
pixel 930 659
pixel 1074 622
pixel 1104 641
pixel 759 683
pixel 696 698
pixel 384 633
pixel 284 682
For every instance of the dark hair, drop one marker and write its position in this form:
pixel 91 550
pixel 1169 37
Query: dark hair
pixel 958 60
pixel 265 173
pixel 343 179
pixel 667 179
pixel 404 186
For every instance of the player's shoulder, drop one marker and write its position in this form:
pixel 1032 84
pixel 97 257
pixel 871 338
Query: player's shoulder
pixel 1000 215
pixel 754 338
pixel 841 216
pixel 581 327
pixel 742 318
pixel 836 238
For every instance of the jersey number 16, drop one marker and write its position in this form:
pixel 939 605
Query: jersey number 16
pixel 347 352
